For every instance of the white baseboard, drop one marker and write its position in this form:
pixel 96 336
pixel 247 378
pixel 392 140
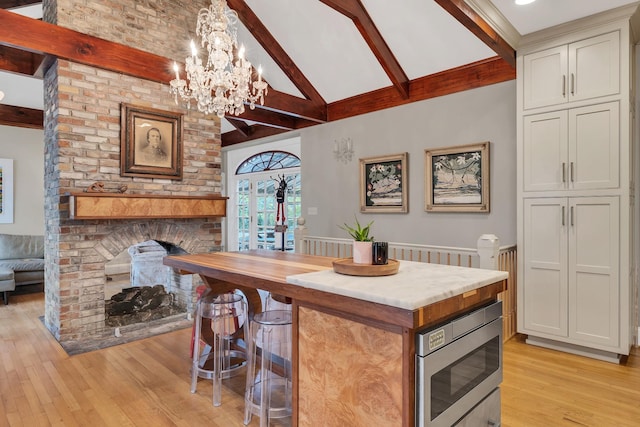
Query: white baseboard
pixel 605 356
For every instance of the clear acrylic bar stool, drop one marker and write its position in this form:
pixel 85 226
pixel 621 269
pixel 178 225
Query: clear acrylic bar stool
pixel 268 389
pixel 217 323
pixel 277 302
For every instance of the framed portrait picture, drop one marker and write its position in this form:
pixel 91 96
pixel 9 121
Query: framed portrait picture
pixel 457 178
pixel 383 184
pixel 6 191
pixel 150 143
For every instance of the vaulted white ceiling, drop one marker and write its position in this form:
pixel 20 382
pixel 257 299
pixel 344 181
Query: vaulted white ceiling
pixel 327 48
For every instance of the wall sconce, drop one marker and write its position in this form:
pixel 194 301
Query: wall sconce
pixel 343 150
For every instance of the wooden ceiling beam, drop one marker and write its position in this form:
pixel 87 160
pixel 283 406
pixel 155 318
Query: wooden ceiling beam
pixel 82 48
pixel 240 125
pixel 480 28
pixel 478 74
pixel 293 106
pixel 354 10
pixel 274 118
pixel 255 132
pixel 19 61
pixel 277 53
pixel 21 117
pixel 85 49
pixel 263 123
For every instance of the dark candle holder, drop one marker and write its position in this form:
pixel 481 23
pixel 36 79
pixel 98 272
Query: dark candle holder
pixel 380 253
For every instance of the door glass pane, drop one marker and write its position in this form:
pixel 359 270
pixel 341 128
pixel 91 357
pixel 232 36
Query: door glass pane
pixel 244 214
pixel 293 208
pixel 265 213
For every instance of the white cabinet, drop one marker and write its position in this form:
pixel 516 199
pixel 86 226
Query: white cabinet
pixel 581 70
pixel 574 149
pixel 576 186
pixel 571 272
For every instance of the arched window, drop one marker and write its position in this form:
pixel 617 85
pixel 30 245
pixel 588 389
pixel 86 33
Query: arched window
pixel 268 161
pixel 259 218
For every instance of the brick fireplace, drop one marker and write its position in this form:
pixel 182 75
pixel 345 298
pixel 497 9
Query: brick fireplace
pixel 89 247
pixel 80 297
pixel 83 146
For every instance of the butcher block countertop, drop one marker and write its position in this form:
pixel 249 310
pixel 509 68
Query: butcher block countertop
pixel 418 294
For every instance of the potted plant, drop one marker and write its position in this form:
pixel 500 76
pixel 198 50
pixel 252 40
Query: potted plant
pixel 361 241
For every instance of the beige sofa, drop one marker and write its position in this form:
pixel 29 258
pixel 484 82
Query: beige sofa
pixel 21 262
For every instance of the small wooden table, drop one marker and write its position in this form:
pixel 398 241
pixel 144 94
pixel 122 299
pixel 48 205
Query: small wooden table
pixel 353 359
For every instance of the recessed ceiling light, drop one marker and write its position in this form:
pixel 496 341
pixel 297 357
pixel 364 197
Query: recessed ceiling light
pixel 521 2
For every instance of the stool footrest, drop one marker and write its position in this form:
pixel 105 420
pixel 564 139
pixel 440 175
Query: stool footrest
pixel 280 405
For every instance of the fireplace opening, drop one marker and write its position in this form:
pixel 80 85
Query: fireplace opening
pixel 140 288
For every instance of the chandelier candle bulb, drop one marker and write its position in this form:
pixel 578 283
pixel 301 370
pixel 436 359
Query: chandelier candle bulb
pixel 194 51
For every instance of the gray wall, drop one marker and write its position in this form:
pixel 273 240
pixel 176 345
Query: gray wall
pixel 484 114
pixel 26 148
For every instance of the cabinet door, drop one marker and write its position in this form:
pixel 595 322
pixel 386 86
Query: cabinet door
pixel 593 269
pixel 545 266
pixel 594 146
pixel 545 77
pixel 545 153
pixel 594 67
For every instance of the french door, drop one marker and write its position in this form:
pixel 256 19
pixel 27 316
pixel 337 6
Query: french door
pixel 258 220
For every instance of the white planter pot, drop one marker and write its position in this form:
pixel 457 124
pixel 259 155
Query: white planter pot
pixel 362 252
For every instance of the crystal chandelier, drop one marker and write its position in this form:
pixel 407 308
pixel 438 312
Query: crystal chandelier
pixel 224 83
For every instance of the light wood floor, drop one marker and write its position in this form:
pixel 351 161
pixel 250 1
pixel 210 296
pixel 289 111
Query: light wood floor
pixel 146 383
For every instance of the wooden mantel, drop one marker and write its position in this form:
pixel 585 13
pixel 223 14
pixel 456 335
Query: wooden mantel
pixel 144 206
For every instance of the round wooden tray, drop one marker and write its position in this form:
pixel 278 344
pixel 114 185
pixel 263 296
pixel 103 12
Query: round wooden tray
pixel 348 267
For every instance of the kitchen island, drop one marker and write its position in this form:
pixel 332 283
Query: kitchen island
pixel 353 337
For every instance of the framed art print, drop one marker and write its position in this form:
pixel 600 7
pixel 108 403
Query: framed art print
pixel 457 178
pixel 383 184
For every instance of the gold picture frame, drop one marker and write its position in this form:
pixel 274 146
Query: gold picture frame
pixel 150 143
pixel 383 184
pixel 457 178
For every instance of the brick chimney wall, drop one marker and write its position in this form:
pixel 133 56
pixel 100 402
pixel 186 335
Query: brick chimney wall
pixel 82 146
